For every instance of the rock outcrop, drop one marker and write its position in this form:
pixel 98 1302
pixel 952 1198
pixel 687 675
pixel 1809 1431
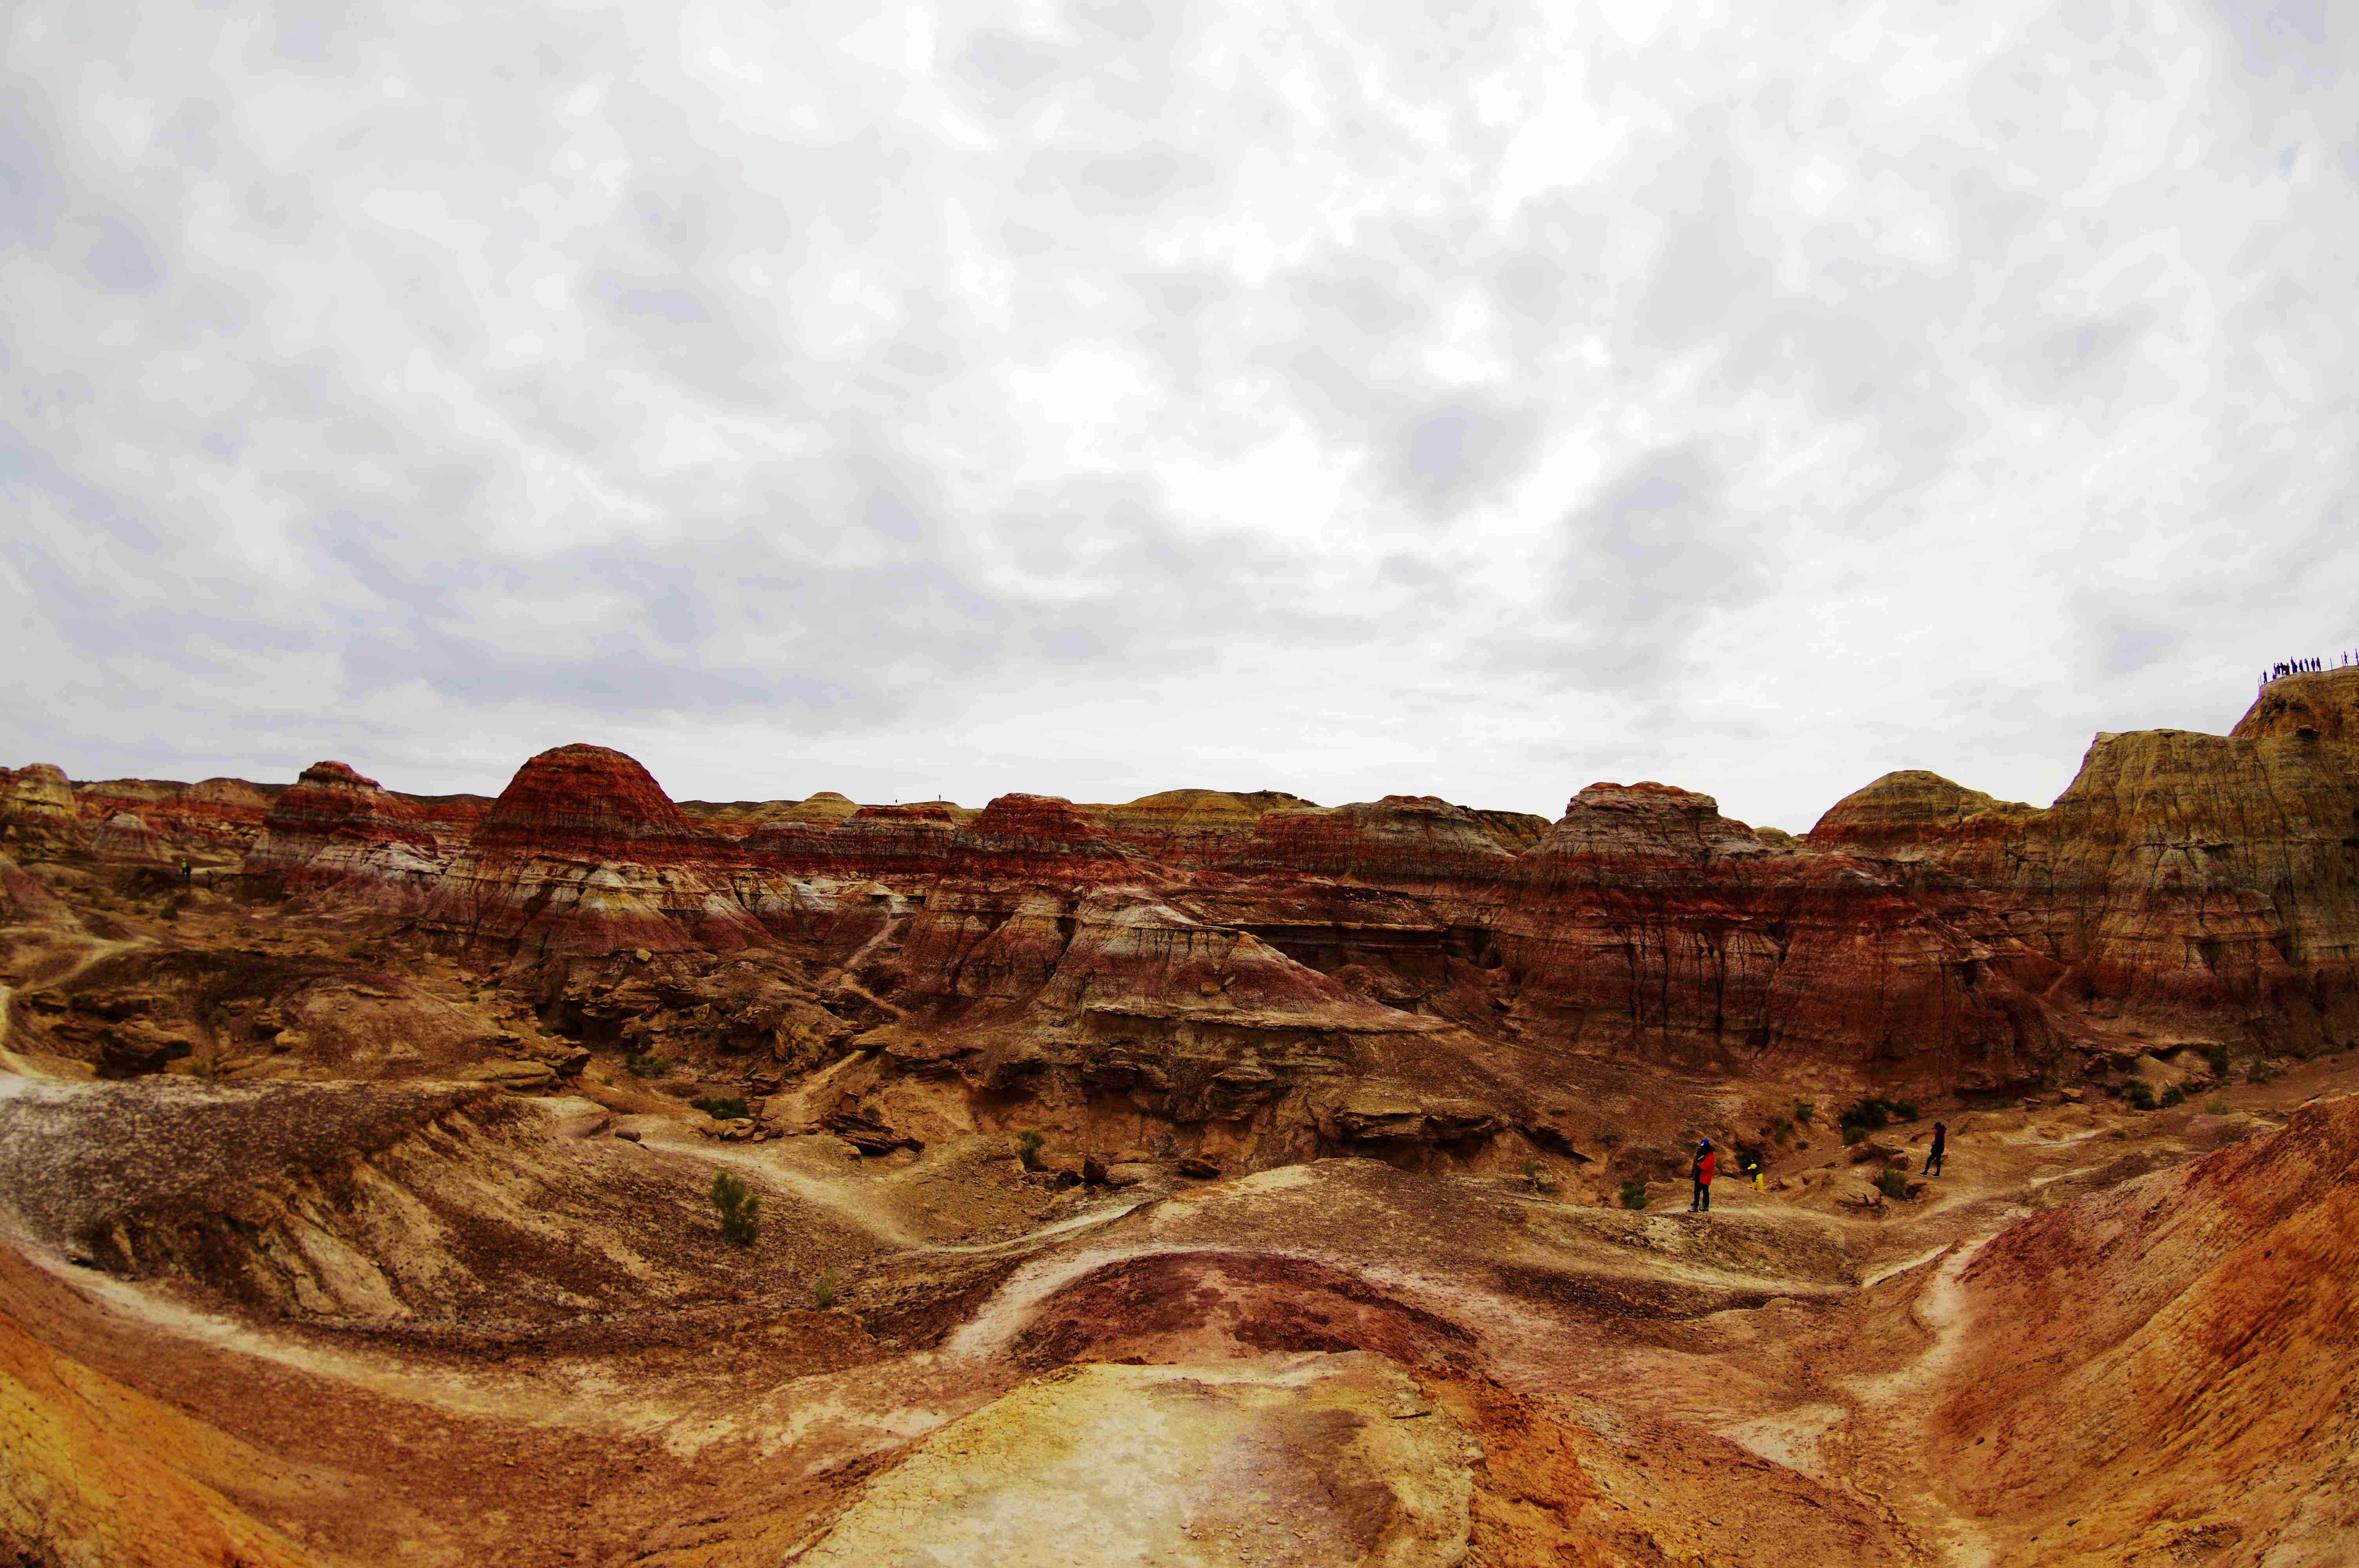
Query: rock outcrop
pixel 2184 886
pixel 1647 924
pixel 583 853
pixel 333 829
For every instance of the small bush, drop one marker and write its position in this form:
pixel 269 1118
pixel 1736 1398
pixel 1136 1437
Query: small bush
pixel 646 1066
pixel 1854 1134
pixel 1781 1129
pixel 245 930
pixel 720 1110
pixel 1634 1194
pixel 2216 1059
pixel 1028 1149
pixel 739 1209
pixel 2140 1094
pixel 2217 1106
pixel 1868 1114
pixel 1536 1175
pixel 1892 1184
pixel 2258 1072
pixel 170 912
pixel 2173 1096
pixel 1904 1109
pixel 2120 1137
pixel 826 1288
pixel 1803 1111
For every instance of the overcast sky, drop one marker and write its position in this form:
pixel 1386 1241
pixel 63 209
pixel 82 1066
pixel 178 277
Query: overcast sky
pixel 1465 398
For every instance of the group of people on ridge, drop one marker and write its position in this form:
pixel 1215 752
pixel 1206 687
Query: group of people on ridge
pixel 1706 1165
pixel 2284 667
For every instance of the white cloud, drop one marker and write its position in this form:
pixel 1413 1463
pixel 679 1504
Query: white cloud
pixel 1102 397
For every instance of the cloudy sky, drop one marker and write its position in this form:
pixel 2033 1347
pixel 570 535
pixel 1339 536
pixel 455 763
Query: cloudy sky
pixel 1464 397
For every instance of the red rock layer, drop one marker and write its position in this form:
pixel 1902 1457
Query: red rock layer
pixel 588 803
pixel 583 853
pixel 1648 924
pixel 1038 837
pixel 1191 828
pixel 887 841
pixel 1403 841
pixel 333 826
pixel 2168 1370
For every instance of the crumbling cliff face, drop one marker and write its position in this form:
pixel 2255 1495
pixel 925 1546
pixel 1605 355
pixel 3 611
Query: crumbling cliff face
pixel 2185 886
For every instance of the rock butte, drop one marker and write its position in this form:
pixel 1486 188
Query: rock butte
pixel 1212 1177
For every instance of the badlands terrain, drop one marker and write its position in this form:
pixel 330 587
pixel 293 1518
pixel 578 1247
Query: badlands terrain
pixel 1212 1178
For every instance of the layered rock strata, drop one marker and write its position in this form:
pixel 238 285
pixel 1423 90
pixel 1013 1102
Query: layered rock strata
pixel 584 853
pixel 334 829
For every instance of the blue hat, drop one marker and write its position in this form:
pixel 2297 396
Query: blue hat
pixel 1707 1143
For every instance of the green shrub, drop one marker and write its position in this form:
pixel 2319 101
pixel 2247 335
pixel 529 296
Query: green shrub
pixel 1868 1114
pixel 720 1110
pixel 170 912
pixel 1803 1111
pixel 2140 1094
pixel 1634 1194
pixel 2173 1096
pixel 2216 1059
pixel 1781 1129
pixel 1904 1109
pixel 1854 1134
pixel 739 1209
pixel 2217 1106
pixel 646 1066
pixel 1892 1184
pixel 826 1288
pixel 1537 1175
pixel 1028 1149
pixel 2258 1072
pixel 2120 1137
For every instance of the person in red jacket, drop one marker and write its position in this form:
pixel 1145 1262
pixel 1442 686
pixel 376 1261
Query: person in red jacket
pixel 1706 1162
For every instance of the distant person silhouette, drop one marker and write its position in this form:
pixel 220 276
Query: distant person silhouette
pixel 1706 1162
pixel 1941 1143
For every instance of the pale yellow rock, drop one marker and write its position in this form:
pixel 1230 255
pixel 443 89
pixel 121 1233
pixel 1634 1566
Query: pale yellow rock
pixel 1303 1462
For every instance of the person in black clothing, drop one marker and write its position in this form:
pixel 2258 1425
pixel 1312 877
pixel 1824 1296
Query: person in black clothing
pixel 1940 1141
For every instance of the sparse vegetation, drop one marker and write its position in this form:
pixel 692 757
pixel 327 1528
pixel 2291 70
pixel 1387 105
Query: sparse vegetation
pixel 2140 1094
pixel 2120 1136
pixel 1892 1184
pixel 1028 1149
pixel 645 1064
pixel 739 1209
pixel 1869 1113
pixel 1781 1128
pixel 2217 1106
pixel 245 930
pixel 1904 1110
pixel 1854 1134
pixel 826 1288
pixel 1537 1175
pixel 1634 1194
pixel 2258 1072
pixel 719 1109
pixel 2173 1096
pixel 1803 1111
pixel 2216 1059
